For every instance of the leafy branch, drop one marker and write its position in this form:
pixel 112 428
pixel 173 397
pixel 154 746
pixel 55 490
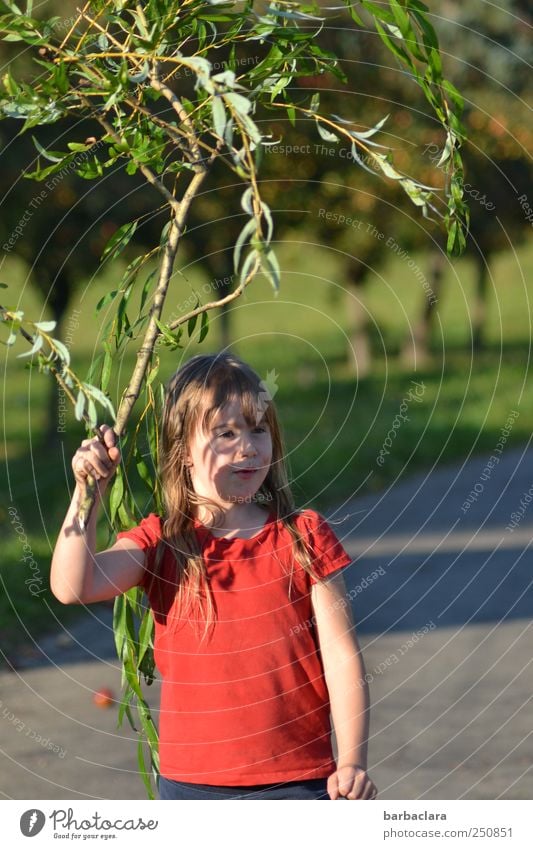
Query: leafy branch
pixel 53 357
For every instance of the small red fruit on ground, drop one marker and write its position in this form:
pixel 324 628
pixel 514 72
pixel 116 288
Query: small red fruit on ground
pixel 103 697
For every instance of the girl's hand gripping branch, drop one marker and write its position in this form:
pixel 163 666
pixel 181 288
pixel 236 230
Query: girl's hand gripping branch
pixel 79 574
pixel 97 458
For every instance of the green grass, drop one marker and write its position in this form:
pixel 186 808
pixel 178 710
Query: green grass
pixel 334 424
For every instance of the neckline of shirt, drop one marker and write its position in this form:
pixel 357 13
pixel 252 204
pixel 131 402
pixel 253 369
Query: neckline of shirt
pixel 207 534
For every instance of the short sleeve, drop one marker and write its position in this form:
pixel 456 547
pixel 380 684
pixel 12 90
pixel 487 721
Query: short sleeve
pixel 329 554
pixel 146 535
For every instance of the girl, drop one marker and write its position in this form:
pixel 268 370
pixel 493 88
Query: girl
pixel 253 635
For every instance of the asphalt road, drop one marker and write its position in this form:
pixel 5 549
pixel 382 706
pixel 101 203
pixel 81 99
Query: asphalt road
pixel 444 608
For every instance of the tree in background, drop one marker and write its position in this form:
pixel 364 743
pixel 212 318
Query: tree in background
pixel 113 84
pixel 348 210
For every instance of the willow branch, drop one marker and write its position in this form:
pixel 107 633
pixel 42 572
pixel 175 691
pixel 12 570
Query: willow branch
pixel 144 355
pixel 179 109
pixel 152 331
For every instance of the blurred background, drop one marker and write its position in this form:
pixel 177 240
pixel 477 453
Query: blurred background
pixel 371 314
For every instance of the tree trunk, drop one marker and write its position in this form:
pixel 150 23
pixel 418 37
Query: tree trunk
pixel 416 349
pixel 359 348
pixel 479 309
pixel 54 423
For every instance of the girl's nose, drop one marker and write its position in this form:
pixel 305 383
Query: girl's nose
pixel 247 445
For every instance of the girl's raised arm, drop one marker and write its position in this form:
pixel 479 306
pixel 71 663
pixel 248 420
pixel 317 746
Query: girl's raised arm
pixel 79 575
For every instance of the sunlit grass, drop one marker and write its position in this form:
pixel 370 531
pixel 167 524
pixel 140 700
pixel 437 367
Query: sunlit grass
pixel 334 422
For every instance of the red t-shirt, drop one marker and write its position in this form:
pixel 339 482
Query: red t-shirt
pixel 249 705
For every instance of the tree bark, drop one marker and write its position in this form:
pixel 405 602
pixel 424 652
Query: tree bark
pixel 416 350
pixel 359 347
pixel 479 309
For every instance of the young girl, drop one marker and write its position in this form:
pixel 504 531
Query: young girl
pixel 253 636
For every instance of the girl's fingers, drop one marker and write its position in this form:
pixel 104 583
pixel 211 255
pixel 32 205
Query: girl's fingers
pixel 370 791
pixel 333 786
pixel 108 435
pixel 94 459
pixel 98 457
pixel 358 787
pixel 114 454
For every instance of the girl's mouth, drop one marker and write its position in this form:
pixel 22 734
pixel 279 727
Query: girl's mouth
pixel 245 473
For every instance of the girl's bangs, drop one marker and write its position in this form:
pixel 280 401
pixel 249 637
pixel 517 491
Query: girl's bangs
pixel 228 385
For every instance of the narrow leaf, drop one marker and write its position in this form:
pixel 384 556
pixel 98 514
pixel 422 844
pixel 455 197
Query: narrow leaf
pixel 80 406
pixel 119 240
pixel 45 326
pixel 204 327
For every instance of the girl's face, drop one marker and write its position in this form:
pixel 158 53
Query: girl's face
pixel 229 461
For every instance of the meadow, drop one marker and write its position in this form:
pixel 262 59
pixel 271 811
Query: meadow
pixel 344 435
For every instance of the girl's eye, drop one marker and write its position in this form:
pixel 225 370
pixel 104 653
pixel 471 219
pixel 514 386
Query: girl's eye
pixel 227 433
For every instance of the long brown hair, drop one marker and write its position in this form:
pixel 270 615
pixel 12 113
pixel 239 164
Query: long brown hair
pixel 195 393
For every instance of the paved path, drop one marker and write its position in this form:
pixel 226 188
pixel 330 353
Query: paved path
pixel 444 606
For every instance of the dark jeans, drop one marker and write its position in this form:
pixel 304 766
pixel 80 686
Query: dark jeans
pixel 312 789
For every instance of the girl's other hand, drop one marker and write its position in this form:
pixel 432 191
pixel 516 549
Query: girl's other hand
pixel 351 782
pixel 100 460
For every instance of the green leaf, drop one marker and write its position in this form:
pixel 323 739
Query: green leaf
pixel 171 340
pixel 13 7
pixel 282 83
pixel 45 326
pixel 241 104
pixel 191 324
pixel 62 351
pixel 141 76
pixel 204 327
pixel 99 396
pixel 106 368
pixel 452 238
pixel 10 84
pixel 402 19
pixel 124 708
pixel 42 173
pixel 108 297
pixel 146 631
pixel 354 15
pixel 146 288
pixel 247 231
pixel 455 96
pixel 37 345
pixel 219 116
pixel 396 49
pixel 80 406
pixel 246 200
pixel 90 169
pixel 118 241
pixel 144 474
pixel 116 495
pixel 119 625
pixel 326 134
pixel 271 269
